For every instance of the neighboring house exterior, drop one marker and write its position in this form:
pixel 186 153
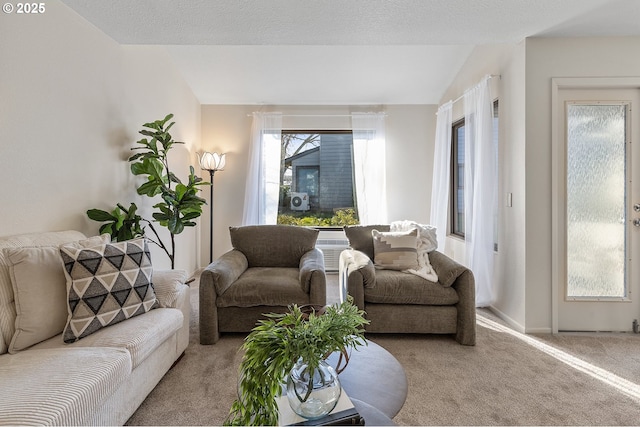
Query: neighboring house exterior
pixel 325 173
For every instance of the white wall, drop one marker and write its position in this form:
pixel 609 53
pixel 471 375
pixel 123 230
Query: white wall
pixel 508 62
pixel 523 267
pixel 410 131
pixel 547 58
pixel 71 103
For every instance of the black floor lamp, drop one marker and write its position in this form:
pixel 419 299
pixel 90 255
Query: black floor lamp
pixel 211 162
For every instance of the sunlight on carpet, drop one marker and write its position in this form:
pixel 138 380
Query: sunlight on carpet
pixel 624 386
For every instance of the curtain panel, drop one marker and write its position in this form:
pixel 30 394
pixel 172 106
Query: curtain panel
pixel 480 183
pixel 263 176
pixel 442 173
pixel 369 163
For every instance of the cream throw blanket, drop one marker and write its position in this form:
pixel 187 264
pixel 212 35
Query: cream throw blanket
pixel 427 242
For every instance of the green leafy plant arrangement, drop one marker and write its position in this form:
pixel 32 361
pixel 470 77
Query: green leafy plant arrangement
pixel 180 204
pixel 274 346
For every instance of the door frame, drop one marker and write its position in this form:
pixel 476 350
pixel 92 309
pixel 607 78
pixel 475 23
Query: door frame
pixel 558 184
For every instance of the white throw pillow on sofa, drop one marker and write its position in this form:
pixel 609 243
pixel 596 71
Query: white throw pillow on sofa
pixel 40 292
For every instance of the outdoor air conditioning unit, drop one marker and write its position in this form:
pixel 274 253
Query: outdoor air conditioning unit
pixel 299 202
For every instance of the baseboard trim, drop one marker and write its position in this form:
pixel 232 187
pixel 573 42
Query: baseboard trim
pixel 509 321
pixel 517 326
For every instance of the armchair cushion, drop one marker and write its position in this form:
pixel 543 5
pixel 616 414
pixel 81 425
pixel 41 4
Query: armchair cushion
pixel 396 287
pixel 257 243
pixel 269 286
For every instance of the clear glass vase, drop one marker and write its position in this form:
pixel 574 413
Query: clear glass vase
pixel 313 395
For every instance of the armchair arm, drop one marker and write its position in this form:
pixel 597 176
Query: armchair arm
pixel 226 270
pixel 356 273
pixel 460 278
pixel 214 280
pixel 446 268
pixel 357 261
pixel 167 285
pixel 312 276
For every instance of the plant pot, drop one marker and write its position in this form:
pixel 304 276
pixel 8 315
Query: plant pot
pixel 313 395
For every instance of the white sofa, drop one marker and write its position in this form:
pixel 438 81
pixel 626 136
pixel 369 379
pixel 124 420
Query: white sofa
pixel 100 379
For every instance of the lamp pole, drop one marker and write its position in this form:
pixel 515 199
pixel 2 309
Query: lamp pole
pixel 211 162
pixel 211 172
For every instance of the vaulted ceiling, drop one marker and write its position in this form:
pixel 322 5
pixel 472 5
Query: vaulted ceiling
pixel 339 51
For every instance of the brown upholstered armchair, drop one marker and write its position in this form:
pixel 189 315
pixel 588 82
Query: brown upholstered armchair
pixel 398 302
pixel 269 268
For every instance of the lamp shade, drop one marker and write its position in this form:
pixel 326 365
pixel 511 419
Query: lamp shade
pixel 212 161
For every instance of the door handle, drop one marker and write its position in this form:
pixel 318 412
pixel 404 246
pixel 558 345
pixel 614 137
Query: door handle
pixel 636 222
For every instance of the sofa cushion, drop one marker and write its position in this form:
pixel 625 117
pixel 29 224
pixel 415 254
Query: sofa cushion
pixel 273 245
pixel 360 237
pixel 39 290
pixel 106 284
pixel 395 250
pixel 277 287
pixel 140 335
pixel 7 306
pixel 396 287
pixel 60 386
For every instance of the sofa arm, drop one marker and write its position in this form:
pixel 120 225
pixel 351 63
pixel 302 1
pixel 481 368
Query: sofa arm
pixel 167 285
pixel 460 278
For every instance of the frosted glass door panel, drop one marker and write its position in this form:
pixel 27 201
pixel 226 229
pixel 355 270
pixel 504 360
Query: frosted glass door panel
pixel 596 194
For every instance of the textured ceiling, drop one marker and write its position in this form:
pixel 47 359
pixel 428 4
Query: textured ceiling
pixel 337 51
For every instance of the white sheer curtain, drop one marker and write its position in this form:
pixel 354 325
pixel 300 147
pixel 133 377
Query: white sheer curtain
pixel 263 178
pixel 369 167
pixel 480 183
pixel 441 173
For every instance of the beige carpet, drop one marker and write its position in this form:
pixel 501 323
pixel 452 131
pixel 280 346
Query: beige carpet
pixel 567 379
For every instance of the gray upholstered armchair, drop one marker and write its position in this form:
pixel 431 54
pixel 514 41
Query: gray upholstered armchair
pixel 398 302
pixel 269 268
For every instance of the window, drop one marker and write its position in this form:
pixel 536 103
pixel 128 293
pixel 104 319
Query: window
pixel 457 174
pixel 457 179
pixel 308 181
pixel 316 179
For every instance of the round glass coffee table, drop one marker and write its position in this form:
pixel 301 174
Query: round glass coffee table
pixel 376 383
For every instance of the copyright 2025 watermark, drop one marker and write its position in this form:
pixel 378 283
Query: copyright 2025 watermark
pixel 24 8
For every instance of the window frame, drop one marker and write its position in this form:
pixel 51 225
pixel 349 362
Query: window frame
pixel 455 179
pixel 454 215
pixel 316 131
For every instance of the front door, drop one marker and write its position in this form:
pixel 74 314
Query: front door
pixel 600 230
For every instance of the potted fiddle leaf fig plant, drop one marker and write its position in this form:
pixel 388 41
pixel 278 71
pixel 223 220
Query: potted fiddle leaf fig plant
pixel 122 224
pixel 179 203
pixel 293 346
